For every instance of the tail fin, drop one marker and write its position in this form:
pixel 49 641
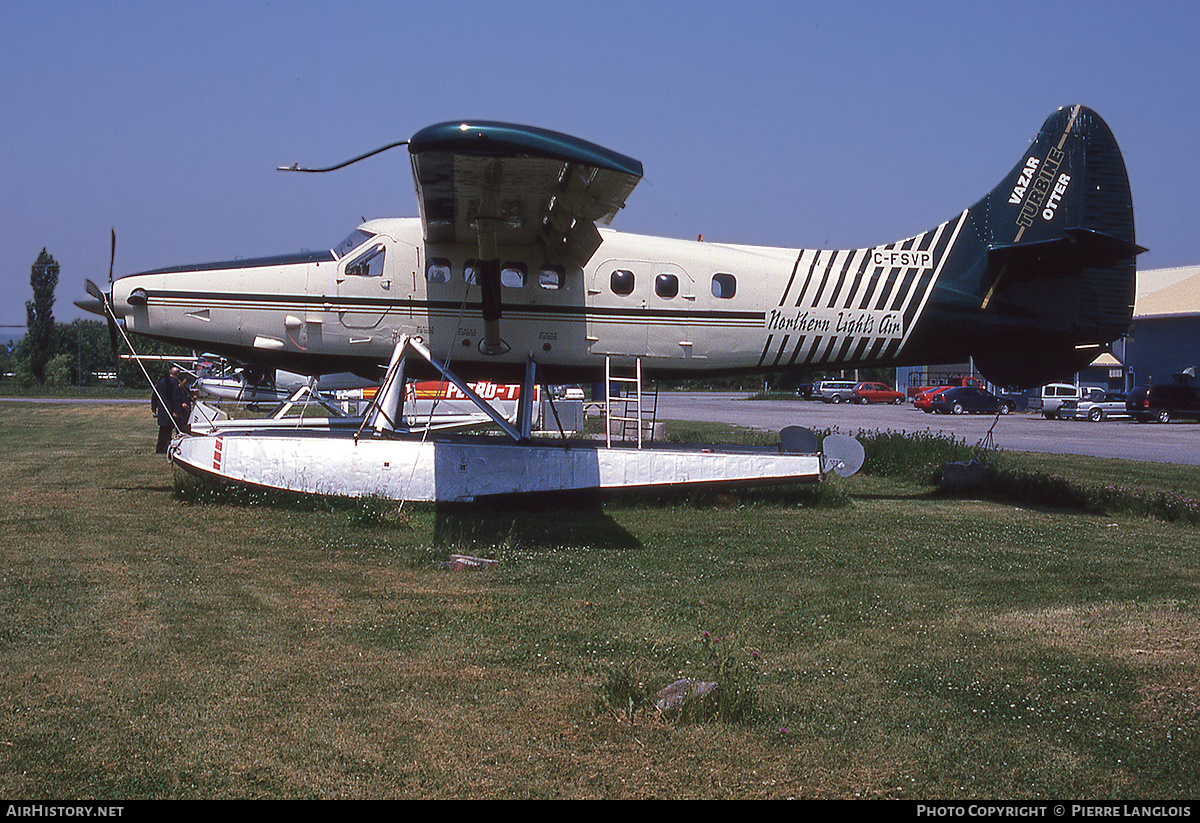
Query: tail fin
pixel 1046 280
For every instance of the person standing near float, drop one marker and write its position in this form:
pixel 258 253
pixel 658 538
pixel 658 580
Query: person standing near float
pixel 167 406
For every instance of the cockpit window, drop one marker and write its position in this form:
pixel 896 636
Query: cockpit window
pixel 355 239
pixel 369 264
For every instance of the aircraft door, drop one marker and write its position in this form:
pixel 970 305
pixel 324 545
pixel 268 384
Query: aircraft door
pixel 617 305
pixel 642 309
pixel 671 301
pixel 373 282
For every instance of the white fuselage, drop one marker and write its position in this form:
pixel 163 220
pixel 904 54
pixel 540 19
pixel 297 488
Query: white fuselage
pixel 681 306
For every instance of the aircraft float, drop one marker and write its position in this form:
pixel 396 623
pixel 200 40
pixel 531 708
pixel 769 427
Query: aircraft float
pixel 510 272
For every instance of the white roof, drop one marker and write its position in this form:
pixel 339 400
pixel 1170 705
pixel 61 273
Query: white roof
pixel 1164 292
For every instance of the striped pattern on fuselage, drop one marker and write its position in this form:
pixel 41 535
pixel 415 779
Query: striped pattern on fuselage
pixel 852 284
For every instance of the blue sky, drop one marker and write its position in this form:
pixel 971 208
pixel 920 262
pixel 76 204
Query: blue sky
pixel 780 123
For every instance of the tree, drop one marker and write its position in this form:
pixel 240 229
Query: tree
pixel 59 371
pixel 87 344
pixel 39 314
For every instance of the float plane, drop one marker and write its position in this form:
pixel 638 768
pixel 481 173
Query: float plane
pixel 511 272
pixel 508 262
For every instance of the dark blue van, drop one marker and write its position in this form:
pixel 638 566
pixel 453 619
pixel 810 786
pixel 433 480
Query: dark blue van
pixel 1163 403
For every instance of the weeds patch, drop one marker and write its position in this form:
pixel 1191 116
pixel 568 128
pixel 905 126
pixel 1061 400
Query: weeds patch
pixel 719 683
pixel 916 456
pixel 921 456
pixel 359 511
pixel 1038 489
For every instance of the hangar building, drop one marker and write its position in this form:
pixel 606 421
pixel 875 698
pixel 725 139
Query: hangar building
pixel 1164 340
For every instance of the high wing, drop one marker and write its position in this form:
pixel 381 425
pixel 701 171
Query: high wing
pixel 526 184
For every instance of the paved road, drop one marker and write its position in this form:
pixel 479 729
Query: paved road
pixel 1151 442
pixel 1177 442
pixel 71 400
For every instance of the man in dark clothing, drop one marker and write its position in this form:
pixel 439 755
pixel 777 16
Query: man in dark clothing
pixel 186 396
pixel 167 406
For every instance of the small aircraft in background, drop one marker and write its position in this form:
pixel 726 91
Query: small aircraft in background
pixel 250 385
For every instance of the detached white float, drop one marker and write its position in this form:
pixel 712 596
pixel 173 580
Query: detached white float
pixel 465 468
pixel 380 461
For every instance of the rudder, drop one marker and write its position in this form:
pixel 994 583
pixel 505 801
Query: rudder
pixel 1046 270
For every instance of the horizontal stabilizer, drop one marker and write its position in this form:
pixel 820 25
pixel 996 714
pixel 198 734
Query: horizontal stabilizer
pixel 1077 247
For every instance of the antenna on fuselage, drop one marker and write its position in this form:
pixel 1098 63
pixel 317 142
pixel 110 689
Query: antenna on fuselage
pixel 298 167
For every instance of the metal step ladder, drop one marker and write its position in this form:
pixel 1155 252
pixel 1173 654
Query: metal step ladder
pixel 631 408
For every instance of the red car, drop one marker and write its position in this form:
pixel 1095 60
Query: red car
pixel 925 400
pixel 876 393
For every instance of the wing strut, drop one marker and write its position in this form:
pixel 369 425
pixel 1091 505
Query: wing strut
pixel 489 285
pixel 391 393
pixel 114 328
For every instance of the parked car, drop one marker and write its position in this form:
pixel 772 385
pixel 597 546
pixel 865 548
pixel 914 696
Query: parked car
pixel 836 391
pixel 970 399
pixel 1163 403
pixel 948 382
pixel 877 393
pixel 1096 405
pixel 925 400
pixel 1049 398
pixel 923 393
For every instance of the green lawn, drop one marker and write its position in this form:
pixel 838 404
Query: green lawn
pixel 901 645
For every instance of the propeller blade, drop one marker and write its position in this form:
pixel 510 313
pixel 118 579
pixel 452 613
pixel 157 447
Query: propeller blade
pixel 112 320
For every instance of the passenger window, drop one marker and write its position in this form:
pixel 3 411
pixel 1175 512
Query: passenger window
pixel 724 286
pixel 471 272
pixel 551 277
pixel 369 264
pixel 666 286
pixel 621 282
pixel 512 276
pixel 438 270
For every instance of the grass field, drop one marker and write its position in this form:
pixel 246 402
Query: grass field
pixel 895 644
